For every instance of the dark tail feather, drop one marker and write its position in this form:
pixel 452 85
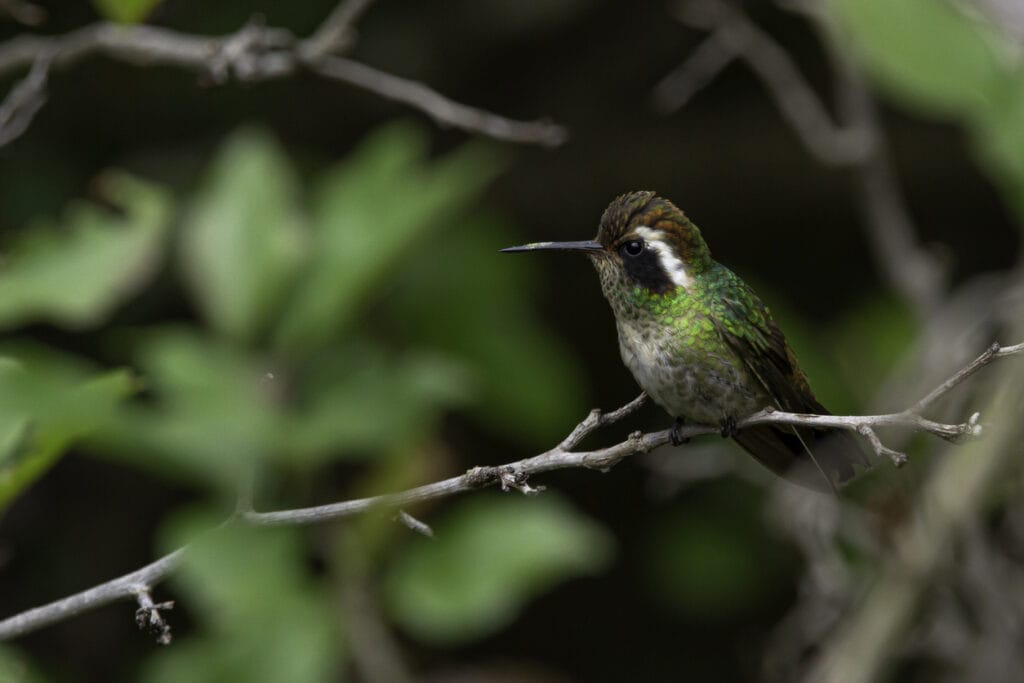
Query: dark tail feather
pixel 815 458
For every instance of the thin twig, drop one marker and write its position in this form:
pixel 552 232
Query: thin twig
pixel 414 524
pixel 990 354
pixel 337 32
pixel 832 144
pixel 855 141
pixel 149 618
pixel 27 13
pixel 116 589
pixel 597 419
pixel 702 67
pixel 511 475
pixel 444 111
pixel 257 53
pixel 24 100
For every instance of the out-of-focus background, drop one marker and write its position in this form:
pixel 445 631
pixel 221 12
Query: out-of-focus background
pixel 209 279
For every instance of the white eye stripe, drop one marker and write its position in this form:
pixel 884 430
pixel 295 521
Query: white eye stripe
pixel 670 263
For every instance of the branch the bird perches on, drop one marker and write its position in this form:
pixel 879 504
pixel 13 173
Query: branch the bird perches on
pixel 515 475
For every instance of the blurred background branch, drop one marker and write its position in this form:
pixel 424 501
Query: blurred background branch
pixel 856 141
pixel 251 54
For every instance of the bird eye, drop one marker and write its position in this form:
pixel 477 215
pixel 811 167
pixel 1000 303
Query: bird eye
pixel 633 248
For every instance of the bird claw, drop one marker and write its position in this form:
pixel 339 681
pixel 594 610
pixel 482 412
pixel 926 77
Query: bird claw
pixel 729 429
pixel 674 436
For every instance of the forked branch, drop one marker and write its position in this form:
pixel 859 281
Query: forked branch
pixel 514 475
pixel 253 53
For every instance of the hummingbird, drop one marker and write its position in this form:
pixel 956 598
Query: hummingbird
pixel 702 344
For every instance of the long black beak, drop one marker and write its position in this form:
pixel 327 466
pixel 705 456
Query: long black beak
pixel 583 245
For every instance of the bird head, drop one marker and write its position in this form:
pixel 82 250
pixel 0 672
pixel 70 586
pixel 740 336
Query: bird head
pixel 644 241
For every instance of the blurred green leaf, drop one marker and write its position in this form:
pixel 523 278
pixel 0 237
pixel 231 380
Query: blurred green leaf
pixel 211 414
pixel 935 57
pixel 244 240
pixel 925 52
pixel 868 342
pixel 44 407
pixel 999 134
pixel 490 555
pixel 77 275
pixel 711 556
pixel 15 667
pixel 470 300
pixel 369 213
pixel 360 399
pixel 261 618
pixel 125 11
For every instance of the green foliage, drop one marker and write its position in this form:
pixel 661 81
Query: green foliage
pixel 711 556
pixel 210 417
pixel 264 619
pixel 47 403
pixel 868 341
pixel 351 387
pixel 489 323
pixel 934 57
pixel 244 240
pixel 281 292
pixel 490 555
pixel 125 11
pixel 16 667
pixel 340 328
pixel 925 52
pixel 76 275
pixel 368 215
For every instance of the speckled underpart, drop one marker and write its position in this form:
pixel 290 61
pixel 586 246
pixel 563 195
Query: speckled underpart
pixel 671 345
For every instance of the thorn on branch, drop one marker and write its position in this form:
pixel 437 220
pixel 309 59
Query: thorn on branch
pixel 149 618
pixel 414 524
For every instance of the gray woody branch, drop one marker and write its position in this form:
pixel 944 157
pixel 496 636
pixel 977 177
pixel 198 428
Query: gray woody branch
pixel 854 140
pixel 251 54
pixel 515 475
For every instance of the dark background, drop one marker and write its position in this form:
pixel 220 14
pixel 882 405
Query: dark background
pixel 768 210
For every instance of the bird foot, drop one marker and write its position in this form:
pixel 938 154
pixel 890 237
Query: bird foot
pixel 674 436
pixel 729 429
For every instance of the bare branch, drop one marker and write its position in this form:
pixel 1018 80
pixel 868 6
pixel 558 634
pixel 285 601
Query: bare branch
pixel 899 459
pixel 444 111
pixel 512 475
pixel 993 352
pixel 258 53
pixel 116 589
pixel 598 419
pixel 23 12
pixel 856 141
pixel 337 32
pixel 702 66
pixel 414 524
pixel 24 100
pixel 831 144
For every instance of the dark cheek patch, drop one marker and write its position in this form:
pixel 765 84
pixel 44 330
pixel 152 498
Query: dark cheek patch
pixel 646 271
